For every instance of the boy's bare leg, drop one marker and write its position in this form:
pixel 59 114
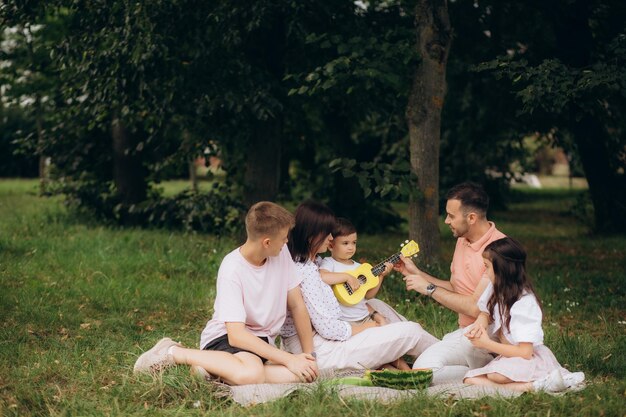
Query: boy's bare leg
pixel 277 374
pixel 236 369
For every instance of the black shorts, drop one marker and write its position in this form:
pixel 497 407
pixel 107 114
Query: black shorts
pixel 221 344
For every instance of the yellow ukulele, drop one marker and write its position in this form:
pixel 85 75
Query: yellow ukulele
pixel 368 276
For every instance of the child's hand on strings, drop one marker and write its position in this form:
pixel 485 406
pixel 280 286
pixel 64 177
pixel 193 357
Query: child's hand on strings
pixel 353 282
pixel 388 268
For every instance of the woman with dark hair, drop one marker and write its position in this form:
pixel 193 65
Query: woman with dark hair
pixel 339 344
pixel 511 304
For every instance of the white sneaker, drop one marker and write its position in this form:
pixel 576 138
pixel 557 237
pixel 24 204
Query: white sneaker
pixel 574 380
pixel 551 383
pixel 156 358
pixel 201 373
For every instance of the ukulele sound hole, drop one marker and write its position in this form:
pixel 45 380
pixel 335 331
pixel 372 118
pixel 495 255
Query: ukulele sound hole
pixel 362 279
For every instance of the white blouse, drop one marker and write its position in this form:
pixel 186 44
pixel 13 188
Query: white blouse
pixel 526 316
pixel 321 303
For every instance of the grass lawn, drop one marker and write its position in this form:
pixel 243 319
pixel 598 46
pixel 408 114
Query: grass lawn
pixel 79 302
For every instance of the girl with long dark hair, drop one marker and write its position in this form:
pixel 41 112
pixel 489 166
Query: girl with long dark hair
pixel 510 303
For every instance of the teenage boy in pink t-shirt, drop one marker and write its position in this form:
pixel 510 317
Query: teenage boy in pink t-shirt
pixel 256 284
pixel 466 210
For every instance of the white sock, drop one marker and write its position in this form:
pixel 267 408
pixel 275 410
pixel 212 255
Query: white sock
pixel 170 350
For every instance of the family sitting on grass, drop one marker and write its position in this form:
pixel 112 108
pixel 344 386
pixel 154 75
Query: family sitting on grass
pixel 277 284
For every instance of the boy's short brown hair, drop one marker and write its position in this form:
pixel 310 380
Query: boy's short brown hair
pixel 343 227
pixel 266 219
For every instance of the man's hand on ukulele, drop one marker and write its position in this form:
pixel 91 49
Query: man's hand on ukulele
pixel 406 266
pixel 416 283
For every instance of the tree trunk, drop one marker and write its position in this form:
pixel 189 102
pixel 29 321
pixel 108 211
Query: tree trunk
pixel 266 51
pixel 43 163
pixel 606 186
pixel 191 160
pixel 193 176
pixel 262 175
pixel 43 160
pixel 43 175
pixel 128 171
pixel 423 115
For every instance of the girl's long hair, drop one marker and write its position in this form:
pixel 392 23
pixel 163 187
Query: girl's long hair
pixel 509 268
pixel 314 222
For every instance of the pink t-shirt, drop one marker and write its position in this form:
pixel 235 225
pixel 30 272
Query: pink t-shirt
pixel 467 266
pixel 254 295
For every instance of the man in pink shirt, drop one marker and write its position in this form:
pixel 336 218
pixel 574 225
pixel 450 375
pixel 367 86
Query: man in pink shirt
pixel 454 355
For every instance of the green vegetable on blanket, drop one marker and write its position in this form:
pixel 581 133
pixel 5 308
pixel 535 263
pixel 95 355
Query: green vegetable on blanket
pixel 351 380
pixel 414 379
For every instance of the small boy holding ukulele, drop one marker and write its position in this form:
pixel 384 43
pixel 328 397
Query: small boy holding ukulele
pixel 333 271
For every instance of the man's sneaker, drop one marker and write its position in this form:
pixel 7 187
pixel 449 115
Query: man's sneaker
pixel 156 358
pixel 201 373
pixel 551 383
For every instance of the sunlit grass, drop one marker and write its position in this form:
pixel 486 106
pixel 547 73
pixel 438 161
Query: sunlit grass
pixel 79 302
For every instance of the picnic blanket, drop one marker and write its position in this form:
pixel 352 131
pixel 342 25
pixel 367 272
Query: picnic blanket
pixel 247 395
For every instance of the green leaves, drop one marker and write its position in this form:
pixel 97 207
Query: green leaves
pixel 361 63
pixel 552 86
pixel 392 181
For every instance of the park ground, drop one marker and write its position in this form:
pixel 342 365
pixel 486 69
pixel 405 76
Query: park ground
pixel 79 302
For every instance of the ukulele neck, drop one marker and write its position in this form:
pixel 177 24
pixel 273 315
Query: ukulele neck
pixel 380 268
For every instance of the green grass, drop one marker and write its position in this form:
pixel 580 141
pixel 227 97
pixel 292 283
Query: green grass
pixel 171 188
pixel 79 302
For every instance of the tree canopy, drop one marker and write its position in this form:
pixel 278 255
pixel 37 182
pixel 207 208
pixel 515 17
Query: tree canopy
pixel 303 99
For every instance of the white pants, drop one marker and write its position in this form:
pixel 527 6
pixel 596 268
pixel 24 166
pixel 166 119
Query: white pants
pixel 386 310
pixel 369 349
pixel 452 357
